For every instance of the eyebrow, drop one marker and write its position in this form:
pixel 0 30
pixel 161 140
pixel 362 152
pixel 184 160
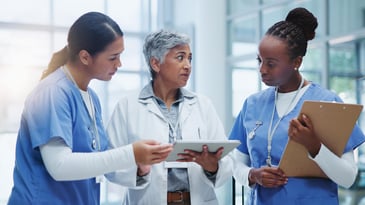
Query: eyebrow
pixel 271 59
pixel 115 54
pixel 183 52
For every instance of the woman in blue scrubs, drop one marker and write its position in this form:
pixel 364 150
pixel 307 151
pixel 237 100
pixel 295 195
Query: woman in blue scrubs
pixel 62 147
pixel 268 118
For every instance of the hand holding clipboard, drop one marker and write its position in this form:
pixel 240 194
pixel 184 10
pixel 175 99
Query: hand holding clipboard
pixel 333 123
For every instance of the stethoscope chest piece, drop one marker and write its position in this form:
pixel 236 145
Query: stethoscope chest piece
pixel 252 134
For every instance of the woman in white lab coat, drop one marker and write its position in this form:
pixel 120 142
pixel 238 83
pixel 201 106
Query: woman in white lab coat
pixel 163 110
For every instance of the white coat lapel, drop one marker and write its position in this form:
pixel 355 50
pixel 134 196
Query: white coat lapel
pixel 187 108
pixel 152 107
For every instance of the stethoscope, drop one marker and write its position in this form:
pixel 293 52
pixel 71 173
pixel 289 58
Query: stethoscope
pixel 272 128
pixel 252 134
pixel 95 141
pixel 175 128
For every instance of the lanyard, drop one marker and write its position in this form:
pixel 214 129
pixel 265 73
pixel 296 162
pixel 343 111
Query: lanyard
pixel 177 124
pixel 272 129
pixel 95 144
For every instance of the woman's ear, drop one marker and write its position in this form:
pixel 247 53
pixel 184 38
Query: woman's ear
pixel 298 62
pixel 85 57
pixel 155 64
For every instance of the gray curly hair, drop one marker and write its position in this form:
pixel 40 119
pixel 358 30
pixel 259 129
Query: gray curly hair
pixel 158 44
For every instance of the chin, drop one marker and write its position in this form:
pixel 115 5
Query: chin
pixel 183 84
pixel 268 83
pixel 107 78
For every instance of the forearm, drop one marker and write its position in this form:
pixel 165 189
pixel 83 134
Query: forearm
pixel 342 170
pixel 63 164
pixel 241 167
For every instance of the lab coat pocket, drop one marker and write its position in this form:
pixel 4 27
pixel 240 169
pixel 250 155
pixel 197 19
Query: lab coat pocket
pixel 193 132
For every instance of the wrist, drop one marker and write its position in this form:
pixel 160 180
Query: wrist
pixel 214 170
pixel 313 152
pixel 141 173
pixel 251 179
pixel 211 173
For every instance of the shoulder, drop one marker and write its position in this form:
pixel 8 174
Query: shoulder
pixel 128 99
pixel 317 92
pixel 54 88
pixel 261 95
pixel 192 97
pixel 128 95
pixel 202 98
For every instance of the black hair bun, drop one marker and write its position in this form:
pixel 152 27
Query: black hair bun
pixel 304 19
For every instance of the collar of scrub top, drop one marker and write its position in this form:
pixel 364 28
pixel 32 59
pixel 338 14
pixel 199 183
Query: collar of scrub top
pixel 272 129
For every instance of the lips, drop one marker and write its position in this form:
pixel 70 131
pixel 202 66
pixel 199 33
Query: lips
pixel 112 73
pixel 263 78
pixel 186 75
pixel 266 80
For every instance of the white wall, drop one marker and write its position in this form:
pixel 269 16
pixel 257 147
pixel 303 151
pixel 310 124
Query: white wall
pixel 208 19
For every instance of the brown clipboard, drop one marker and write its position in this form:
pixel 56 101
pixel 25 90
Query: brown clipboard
pixel 334 122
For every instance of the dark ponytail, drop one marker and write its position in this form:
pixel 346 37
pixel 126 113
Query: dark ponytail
pixel 58 59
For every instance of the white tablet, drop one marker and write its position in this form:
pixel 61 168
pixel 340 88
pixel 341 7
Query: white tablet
pixel 197 145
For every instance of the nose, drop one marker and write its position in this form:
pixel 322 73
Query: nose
pixel 187 64
pixel 262 69
pixel 119 63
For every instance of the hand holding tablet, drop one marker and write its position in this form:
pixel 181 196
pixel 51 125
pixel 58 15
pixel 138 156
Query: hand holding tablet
pixel 197 145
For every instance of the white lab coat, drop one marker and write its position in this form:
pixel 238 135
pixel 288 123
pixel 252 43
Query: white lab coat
pixel 134 119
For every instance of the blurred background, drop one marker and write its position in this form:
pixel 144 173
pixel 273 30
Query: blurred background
pixel 224 34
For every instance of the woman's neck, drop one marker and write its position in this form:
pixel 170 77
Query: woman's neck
pixel 78 76
pixel 166 94
pixel 293 86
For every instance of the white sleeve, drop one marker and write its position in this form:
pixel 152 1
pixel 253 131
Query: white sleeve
pixel 241 167
pixel 342 170
pixel 64 165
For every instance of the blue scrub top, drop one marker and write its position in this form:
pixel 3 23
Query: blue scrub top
pixel 299 191
pixel 54 109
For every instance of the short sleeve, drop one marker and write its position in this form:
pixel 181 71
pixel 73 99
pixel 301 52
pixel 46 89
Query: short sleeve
pixel 48 115
pixel 238 131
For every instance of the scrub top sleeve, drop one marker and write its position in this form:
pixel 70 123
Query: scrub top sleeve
pixel 356 139
pixel 48 115
pixel 357 136
pixel 238 131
